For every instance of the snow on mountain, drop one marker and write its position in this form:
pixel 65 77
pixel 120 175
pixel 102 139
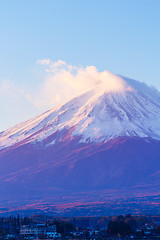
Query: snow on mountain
pixel 102 144
pixel 100 114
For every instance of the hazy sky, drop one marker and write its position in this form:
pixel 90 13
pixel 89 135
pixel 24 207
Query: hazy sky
pixel 41 40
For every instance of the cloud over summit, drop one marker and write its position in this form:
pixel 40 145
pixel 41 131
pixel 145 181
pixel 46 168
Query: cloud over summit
pixel 64 81
pixel 56 83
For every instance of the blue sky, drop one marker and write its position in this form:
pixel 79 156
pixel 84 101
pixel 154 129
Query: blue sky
pixel 122 36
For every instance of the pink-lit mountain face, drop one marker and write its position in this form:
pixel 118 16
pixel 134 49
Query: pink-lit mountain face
pixel 96 154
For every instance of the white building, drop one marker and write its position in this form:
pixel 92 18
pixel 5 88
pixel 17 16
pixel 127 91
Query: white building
pixel 39 230
pixel 33 230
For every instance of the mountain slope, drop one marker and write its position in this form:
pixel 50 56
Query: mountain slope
pixel 101 145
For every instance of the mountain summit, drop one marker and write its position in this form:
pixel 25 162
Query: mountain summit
pixel 100 147
pixel 98 115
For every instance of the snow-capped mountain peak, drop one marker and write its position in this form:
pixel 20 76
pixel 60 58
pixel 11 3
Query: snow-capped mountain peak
pixel 122 108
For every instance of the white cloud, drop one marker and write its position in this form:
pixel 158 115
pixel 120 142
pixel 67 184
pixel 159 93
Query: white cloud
pixel 14 106
pixel 60 82
pixel 64 81
pixel 7 88
pixel 43 61
pixel 56 66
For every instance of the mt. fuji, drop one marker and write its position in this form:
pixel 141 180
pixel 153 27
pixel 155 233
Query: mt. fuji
pixel 85 156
